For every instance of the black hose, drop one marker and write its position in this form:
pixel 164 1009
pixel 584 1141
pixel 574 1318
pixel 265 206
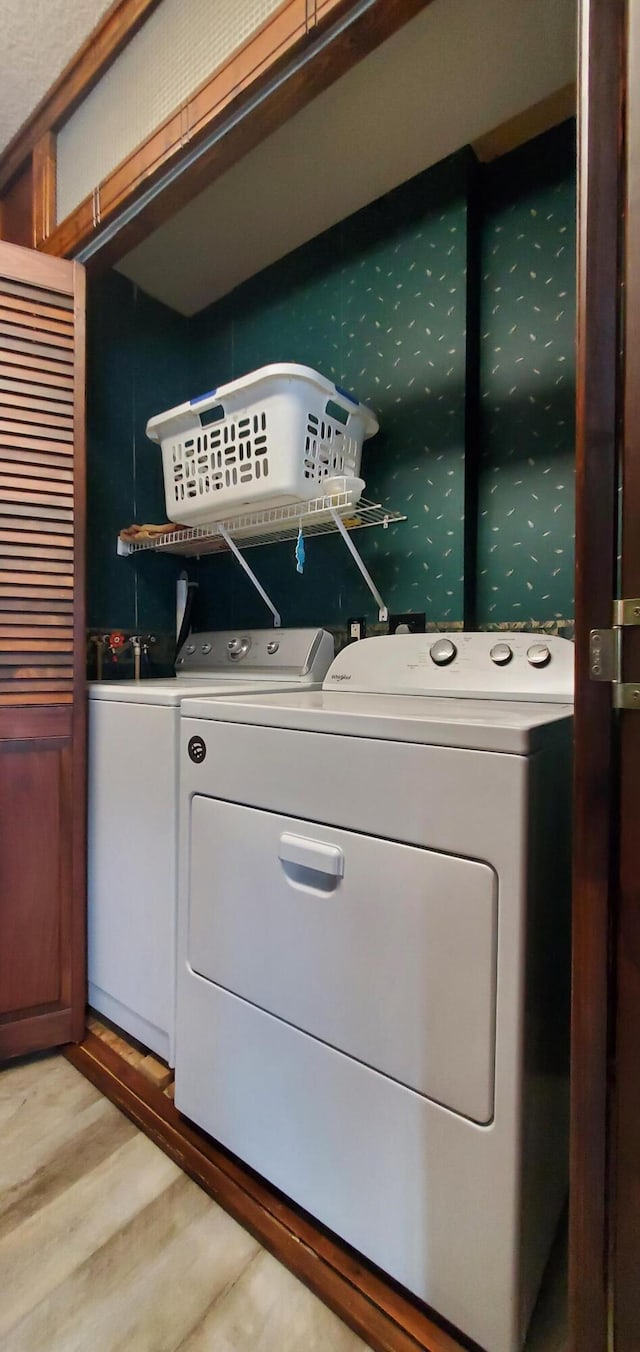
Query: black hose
pixel 185 627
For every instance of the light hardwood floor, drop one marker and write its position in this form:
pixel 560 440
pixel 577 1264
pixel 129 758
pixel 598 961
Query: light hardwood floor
pixel 106 1246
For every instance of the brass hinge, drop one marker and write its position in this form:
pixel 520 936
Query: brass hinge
pixel 605 654
pixel 626 612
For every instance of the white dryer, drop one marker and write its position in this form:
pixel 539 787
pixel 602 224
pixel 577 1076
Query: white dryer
pixel 133 815
pixel 373 959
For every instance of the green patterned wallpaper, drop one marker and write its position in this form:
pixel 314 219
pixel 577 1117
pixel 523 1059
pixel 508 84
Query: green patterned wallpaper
pixel 138 354
pixel 379 304
pixel 527 384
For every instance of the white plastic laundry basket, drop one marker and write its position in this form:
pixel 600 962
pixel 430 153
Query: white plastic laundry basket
pixel 268 439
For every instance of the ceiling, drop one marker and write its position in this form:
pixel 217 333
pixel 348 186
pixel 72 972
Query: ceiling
pixel 39 37
pixel 444 80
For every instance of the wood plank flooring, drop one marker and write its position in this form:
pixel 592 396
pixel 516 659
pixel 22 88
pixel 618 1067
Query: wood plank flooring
pixel 106 1246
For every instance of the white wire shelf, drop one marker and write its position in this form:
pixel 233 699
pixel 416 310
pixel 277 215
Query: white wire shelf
pixel 341 512
pixel 268 527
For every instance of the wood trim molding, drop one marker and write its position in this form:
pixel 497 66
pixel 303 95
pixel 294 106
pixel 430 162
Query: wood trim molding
pixel 246 73
pixel 53 273
pixel 382 1314
pixel 16 209
pixel 44 187
pixel 120 23
pixel 30 1033
pixel 600 169
pixel 541 117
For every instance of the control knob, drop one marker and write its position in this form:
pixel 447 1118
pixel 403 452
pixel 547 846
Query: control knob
pixel 237 647
pixel 501 653
pixel 442 652
pixel 272 647
pixel 538 655
pixel 206 648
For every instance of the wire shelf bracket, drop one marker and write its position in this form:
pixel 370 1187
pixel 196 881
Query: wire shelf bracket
pixel 231 544
pixel 383 612
pixel 335 512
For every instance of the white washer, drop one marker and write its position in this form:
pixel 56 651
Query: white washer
pixel 132 813
pixel 373 956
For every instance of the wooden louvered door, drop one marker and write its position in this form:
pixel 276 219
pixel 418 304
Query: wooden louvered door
pixel 42 651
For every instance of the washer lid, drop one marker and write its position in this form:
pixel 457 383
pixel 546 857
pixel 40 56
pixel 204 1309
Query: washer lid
pixel 232 661
pixel 172 690
pixel 481 725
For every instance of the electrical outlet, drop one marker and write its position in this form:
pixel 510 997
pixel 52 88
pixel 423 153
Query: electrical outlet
pixel 357 628
pixel 411 622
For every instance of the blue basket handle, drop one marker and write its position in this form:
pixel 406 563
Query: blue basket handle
pixel 345 394
pixel 205 403
pixel 341 405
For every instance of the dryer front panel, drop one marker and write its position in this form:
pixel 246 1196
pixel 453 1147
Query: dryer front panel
pixel 383 950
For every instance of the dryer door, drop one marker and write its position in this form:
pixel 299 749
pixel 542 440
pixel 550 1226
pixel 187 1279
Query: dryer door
pixel 385 951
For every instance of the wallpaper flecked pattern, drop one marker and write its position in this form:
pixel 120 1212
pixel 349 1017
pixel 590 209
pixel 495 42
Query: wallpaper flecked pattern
pixel 527 384
pixel 378 304
pixel 137 355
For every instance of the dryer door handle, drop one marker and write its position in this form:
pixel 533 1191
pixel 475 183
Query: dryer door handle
pixel 311 854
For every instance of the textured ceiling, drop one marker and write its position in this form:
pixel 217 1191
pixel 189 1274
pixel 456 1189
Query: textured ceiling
pixel 37 39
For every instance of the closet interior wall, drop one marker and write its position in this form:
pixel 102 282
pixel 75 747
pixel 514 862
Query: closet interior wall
pixel 385 304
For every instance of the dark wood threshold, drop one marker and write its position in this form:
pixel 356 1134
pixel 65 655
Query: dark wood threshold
pixel 383 1315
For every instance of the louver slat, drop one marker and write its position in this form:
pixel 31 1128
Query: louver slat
pixel 37 338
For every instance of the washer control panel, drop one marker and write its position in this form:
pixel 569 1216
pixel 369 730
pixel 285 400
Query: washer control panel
pixel 513 666
pixel 257 654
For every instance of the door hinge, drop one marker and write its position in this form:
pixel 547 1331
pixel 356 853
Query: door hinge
pixel 605 654
pixel 626 612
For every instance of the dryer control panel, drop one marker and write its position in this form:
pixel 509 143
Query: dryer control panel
pixel 510 665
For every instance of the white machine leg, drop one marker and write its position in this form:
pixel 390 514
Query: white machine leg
pixel 250 574
pixel 383 612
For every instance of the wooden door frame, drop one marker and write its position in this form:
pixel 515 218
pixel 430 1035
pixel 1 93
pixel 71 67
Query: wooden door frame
pixel 601 108
pixel 601 113
pixel 625 1134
